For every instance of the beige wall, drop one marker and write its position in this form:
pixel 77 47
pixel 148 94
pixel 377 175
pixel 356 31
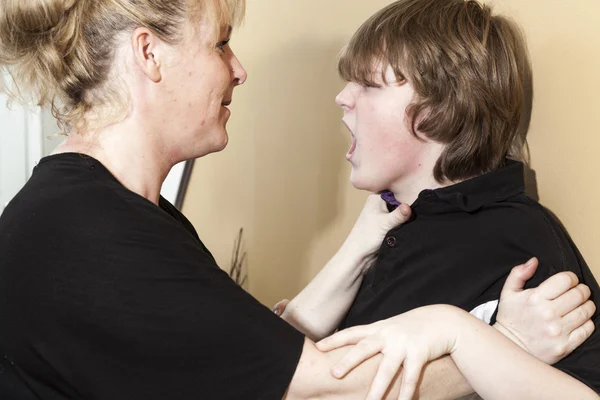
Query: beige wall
pixel 564 42
pixel 283 176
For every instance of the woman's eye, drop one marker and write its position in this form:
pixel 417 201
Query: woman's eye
pixel 221 45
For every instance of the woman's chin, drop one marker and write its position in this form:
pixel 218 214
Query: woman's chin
pixel 216 144
pixel 222 142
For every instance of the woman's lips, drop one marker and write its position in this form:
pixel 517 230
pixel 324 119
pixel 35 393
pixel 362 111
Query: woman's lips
pixel 225 106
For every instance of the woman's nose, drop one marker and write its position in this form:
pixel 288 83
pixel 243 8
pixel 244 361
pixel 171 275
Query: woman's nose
pixel 239 72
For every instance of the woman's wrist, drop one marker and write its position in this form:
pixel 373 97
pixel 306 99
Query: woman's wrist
pixel 352 255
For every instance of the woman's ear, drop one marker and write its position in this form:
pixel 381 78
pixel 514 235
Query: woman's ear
pixel 147 53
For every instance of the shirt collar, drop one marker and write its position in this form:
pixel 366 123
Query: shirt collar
pixel 472 194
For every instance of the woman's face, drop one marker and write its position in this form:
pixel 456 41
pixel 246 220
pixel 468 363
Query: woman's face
pixel 384 152
pixel 199 82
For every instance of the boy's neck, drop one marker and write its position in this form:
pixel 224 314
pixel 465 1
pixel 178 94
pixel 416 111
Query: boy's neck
pixel 407 188
pixel 408 191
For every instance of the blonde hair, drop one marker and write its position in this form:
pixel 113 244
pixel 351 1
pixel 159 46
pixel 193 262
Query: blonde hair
pixel 470 71
pixel 60 52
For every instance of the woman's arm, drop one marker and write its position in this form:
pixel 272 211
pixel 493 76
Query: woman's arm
pixel 312 379
pixel 319 308
pixel 442 380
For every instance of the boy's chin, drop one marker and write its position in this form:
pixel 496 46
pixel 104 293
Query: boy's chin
pixel 363 183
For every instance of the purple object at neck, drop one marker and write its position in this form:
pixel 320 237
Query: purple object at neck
pixel 389 198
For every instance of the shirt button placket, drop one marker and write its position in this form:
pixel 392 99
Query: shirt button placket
pixel 386 259
pixel 391 241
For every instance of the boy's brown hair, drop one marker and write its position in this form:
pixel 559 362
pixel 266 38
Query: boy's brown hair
pixel 470 71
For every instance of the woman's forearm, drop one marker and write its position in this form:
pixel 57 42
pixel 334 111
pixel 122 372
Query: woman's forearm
pixel 497 368
pixel 320 307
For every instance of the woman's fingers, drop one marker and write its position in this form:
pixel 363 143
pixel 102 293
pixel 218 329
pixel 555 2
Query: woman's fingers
pixel 376 203
pixel 280 307
pixel 518 276
pixel 580 335
pixel 400 215
pixel 364 350
pixel 411 374
pixel 579 316
pixel 344 338
pixel 387 371
pixel 557 284
pixel 572 299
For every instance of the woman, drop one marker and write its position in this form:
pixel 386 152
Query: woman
pixel 120 299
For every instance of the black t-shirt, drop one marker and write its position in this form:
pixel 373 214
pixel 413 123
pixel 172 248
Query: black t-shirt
pixel 459 248
pixel 104 295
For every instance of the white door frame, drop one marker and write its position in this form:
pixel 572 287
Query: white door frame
pixel 21 146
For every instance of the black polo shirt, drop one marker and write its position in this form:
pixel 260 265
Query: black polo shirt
pixel 104 295
pixel 459 248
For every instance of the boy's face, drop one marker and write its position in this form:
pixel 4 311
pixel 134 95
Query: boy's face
pixel 384 153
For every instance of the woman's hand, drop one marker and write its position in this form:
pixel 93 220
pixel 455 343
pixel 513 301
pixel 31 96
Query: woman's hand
pixel 373 223
pixel 280 307
pixel 409 340
pixel 320 307
pixel 549 321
